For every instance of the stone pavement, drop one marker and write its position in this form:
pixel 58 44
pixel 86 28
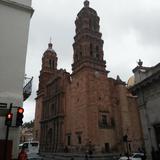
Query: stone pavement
pixel 69 156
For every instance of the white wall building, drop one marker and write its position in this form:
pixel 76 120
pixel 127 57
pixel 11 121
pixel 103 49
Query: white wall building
pixel 145 84
pixel 15 18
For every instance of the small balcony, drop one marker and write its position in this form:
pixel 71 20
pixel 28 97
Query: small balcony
pixel 27 89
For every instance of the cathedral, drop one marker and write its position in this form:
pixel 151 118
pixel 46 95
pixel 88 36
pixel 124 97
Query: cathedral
pixel 86 109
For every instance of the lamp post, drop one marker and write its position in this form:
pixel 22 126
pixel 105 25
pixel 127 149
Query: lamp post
pixel 7 134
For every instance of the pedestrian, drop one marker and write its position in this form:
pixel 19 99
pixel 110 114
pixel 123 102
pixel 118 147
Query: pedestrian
pixel 144 156
pixel 66 149
pixel 90 153
pixel 86 156
pixel 22 155
pixel 157 155
pixel 153 153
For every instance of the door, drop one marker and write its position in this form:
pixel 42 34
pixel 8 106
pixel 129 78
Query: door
pixel 107 148
pixel 157 132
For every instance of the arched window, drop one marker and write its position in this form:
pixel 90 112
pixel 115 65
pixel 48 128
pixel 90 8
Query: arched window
pixel 97 49
pixel 53 64
pixel 49 136
pixel 97 56
pixel 50 63
pixel 79 139
pixel 97 52
pixel 69 140
pixel 53 109
pixel 90 23
pixel 76 57
pixel 95 26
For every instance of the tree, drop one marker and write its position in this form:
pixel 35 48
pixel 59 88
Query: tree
pixel 28 124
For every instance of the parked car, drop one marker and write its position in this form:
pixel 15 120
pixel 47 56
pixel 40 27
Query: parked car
pixel 30 147
pixel 20 146
pixel 134 156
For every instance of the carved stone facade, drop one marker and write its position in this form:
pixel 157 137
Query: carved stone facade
pixel 147 88
pixel 85 110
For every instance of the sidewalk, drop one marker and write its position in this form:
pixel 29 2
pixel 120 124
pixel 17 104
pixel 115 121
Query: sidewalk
pixel 71 156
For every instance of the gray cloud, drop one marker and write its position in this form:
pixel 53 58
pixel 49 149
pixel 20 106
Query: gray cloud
pixel 130 31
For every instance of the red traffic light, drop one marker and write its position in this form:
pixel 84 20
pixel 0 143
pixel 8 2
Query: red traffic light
pixel 20 110
pixel 8 121
pixel 9 116
pixel 19 119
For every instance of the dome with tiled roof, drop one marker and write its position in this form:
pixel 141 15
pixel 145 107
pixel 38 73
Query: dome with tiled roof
pixel 131 81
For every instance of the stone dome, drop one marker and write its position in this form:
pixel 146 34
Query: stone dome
pixel 131 81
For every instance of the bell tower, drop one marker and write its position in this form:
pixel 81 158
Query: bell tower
pixel 88 44
pixel 49 66
pixel 49 60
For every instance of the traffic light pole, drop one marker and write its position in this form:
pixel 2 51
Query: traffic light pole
pixel 6 143
pixel 6 140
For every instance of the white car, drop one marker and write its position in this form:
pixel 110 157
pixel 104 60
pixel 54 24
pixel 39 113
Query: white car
pixel 34 157
pixel 31 147
pixel 134 156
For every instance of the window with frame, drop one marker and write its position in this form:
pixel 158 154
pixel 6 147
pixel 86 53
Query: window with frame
pixel 53 64
pixel 25 145
pixel 68 140
pixel 53 108
pixel 91 49
pixel 34 144
pixel 79 138
pixel 36 133
pixel 97 49
pixel 97 56
pixel 103 120
pixel 50 63
pixel 80 53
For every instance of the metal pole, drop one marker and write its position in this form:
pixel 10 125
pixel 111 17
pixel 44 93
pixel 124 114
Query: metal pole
pixel 6 143
pixel 6 140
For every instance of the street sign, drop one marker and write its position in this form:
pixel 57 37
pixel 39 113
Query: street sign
pixel 3 105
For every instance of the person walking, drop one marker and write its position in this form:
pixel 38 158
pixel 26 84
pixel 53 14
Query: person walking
pixel 22 155
pixel 86 156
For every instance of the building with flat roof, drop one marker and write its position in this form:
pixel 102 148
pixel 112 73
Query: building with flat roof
pixel 146 86
pixel 15 18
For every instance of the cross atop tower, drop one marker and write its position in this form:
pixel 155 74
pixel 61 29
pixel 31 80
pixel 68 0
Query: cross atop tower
pixel 140 63
pixel 86 3
pixel 50 43
pixel 50 40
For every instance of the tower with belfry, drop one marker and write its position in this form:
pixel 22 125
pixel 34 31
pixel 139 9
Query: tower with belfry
pixel 84 110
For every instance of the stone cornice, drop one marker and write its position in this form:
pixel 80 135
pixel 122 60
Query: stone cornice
pixel 145 82
pixel 17 6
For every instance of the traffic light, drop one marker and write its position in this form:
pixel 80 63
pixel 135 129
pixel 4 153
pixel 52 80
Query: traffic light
pixel 8 121
pixel 19 118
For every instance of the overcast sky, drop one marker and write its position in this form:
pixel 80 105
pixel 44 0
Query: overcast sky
pixel 130 30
